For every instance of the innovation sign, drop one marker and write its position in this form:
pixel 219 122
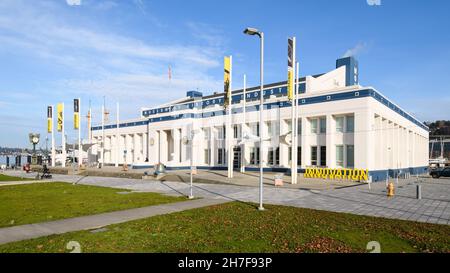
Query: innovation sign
pixel 349 174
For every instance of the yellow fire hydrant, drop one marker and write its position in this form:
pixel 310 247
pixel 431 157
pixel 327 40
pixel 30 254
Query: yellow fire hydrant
pixel 390 189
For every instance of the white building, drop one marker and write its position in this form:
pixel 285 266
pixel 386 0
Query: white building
pixel 341 125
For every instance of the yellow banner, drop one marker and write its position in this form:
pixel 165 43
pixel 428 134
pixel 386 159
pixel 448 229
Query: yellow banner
pixel 49 119
pixel 59 110
pixel 345 174
pixel 76 121
pixel 76 114
pixel 226 81
pixel 290 84
pixel 290 81
pixel 49 125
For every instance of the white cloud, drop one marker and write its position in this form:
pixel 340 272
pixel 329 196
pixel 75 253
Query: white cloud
pixel 73 2
pixel 356 50
pixel 101 62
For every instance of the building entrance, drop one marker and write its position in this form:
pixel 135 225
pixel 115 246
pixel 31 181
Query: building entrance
pixel 237 158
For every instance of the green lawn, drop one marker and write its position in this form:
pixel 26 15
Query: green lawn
pixel 239 227
pixel 32 203
pixel 4 178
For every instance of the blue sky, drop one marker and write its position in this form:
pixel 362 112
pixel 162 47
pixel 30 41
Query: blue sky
pixel 54 51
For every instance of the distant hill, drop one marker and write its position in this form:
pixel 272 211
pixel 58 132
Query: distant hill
pixel 7 150
pixel 439 127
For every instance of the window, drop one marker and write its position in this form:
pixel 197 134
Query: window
pixel 236 131
pixel 299 126
pixel 272 128
pixel 314 126
pixel 314 155
pixel 206 133
pixel 289 125
pixel 323 155
pixel 340 124
pixel 339 156
pixel 350 156
pixel 221 156
pixel 255 129
pixel 206 156
pixel 350 124
pixel 270 156
pixel 277 156
pixel 221 132
pixel 323 125
pixel 254 156
pixel 299 155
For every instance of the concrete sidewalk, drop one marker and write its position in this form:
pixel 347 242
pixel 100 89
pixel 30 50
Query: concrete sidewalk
pixel 434 207
pixel 24 232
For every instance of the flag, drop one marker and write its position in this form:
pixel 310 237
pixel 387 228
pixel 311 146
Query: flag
pixel 49 119
pixel 226 82
pixel 76 114
pixel 170 73
pixel 290 79
pixel 60 109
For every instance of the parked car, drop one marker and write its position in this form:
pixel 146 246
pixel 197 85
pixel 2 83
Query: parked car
pixel 444 172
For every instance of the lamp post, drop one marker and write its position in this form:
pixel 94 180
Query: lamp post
pixel 260 34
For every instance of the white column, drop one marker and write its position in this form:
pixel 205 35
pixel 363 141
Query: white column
pixel 364 139
pixel 306 147
pixel 177 146
pixel 284 148
pixel 330 143
pixel 212 141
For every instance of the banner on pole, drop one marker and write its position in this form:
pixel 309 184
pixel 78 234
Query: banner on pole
pixel 49 119
pixel 290 79
pixel 76 114
pixel 60 109
pixel 226 82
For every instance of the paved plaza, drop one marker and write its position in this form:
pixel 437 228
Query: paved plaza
pixel 357 199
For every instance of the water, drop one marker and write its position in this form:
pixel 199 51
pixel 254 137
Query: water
pixel 12 160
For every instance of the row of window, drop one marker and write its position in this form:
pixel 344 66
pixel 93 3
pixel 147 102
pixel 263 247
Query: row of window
pixel 344 156
pixel 318 126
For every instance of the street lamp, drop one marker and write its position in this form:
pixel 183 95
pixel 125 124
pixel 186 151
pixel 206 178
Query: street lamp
pixel 254 31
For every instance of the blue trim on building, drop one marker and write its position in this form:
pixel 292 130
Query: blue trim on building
pixel 304 101
pixel 381 175
pixel 351 70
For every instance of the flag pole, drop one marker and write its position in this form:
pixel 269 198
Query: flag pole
pixel 229 133
pixel 244 124
pixel 297 71
pixel 117 136
pixel 291 87
pixel 80 150
pixel 53 140
pixel 63 138
pixel 103 133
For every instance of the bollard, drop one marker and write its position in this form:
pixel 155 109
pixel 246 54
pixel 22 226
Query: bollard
pixel 418 191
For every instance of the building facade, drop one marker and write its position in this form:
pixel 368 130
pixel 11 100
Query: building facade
pixel 341 124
